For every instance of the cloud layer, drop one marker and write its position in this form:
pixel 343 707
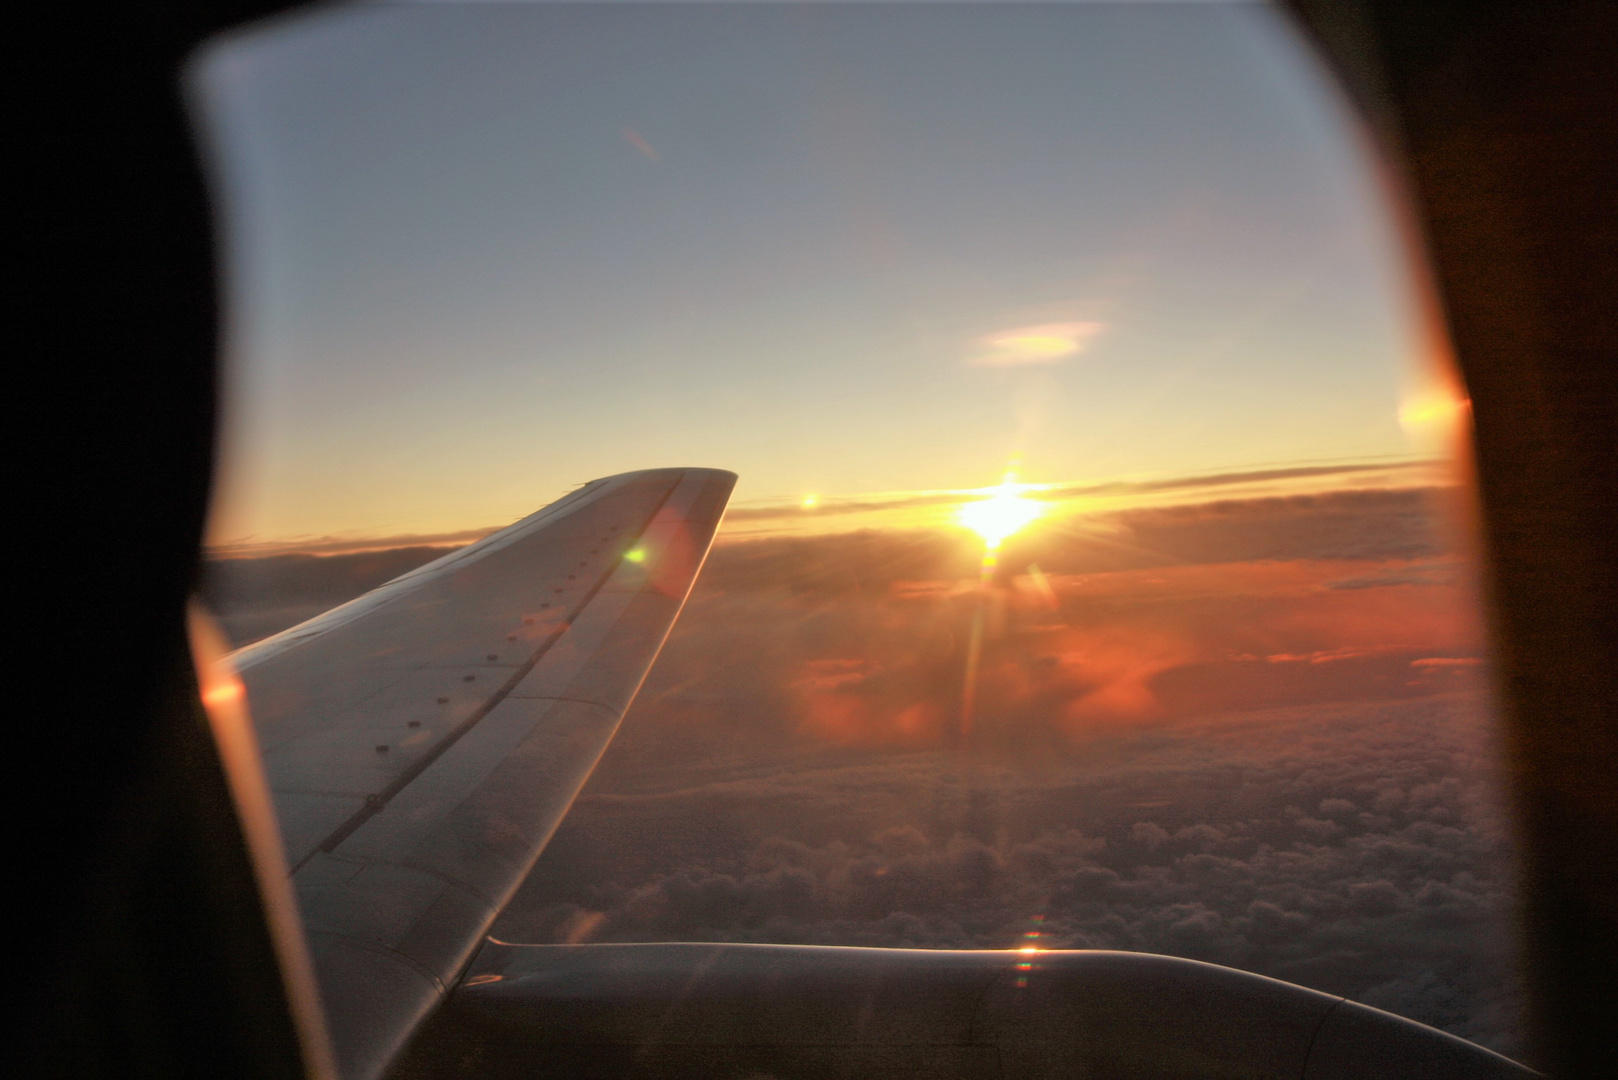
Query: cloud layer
pixel 1254 732
pixel 1349 848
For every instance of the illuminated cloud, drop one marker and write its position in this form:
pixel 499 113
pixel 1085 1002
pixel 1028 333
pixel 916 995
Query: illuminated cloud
pixel 1045 343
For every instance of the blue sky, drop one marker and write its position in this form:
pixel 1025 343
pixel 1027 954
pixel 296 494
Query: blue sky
pixel 480 253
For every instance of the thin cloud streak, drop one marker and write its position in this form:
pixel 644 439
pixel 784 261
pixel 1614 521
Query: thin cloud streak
pixel 834 507
pixel 1046 343
pixel 345 545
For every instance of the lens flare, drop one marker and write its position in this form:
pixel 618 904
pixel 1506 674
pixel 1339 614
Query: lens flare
pixel 1435 411
pixel 1000 515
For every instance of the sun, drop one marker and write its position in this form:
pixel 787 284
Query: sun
pixel 1000 515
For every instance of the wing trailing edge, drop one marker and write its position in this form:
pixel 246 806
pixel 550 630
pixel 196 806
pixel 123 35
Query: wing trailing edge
pixel 681 1011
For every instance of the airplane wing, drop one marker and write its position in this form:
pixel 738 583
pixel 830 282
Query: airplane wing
pixel 423 741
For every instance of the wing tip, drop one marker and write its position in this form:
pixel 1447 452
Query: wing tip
pixel 667 469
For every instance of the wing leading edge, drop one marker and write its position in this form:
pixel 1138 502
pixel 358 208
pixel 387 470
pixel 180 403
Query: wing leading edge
pixel 423 741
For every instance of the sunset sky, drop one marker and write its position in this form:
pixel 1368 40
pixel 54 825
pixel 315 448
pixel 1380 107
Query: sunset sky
pixel 480 254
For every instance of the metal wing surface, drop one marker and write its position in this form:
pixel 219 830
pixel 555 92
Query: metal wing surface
pixel 423 741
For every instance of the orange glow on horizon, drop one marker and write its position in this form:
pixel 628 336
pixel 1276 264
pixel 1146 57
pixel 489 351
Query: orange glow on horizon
pixel 1140 647
pixel 824 512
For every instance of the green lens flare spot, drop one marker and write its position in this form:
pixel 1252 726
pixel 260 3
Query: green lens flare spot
pixel 636 554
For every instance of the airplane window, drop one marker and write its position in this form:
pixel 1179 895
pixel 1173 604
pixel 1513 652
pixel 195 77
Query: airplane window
pixel 1099 574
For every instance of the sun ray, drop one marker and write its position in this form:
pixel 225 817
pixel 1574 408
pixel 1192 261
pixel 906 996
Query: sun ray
pixel 994 519
pixel 1000 515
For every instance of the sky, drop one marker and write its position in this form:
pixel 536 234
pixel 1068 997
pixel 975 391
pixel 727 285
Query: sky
pixel 478 254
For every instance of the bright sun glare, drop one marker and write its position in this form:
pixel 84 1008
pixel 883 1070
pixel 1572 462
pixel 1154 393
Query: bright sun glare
pixel 999 516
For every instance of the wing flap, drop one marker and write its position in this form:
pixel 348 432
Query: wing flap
pixel 422 746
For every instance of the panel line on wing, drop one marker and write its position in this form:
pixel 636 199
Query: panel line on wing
pixel 375 803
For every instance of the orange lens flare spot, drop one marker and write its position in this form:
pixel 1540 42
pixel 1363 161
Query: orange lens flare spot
pixel 223 692
pixel 1436 411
